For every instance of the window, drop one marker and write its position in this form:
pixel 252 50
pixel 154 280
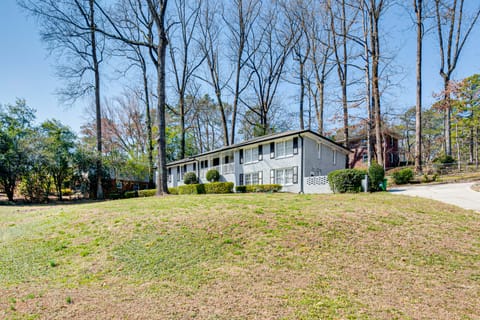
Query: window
pixel 284 149
pixel 216 162
pixel 365 157
pixel 286 176
pixel 251 155
pixel 253 178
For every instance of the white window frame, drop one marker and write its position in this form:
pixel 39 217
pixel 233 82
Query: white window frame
pixel 251 178
pixel 284 176
pixel 286 146
pixel 250 155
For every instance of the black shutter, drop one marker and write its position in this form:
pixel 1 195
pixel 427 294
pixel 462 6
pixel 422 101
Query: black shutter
pixel 260 177
pixel 240 178
pixel 272 176
pixel 194 166
pixel 241 156
pixel 260 153
pixel 272 150
pixel 295 175
pixel 295 145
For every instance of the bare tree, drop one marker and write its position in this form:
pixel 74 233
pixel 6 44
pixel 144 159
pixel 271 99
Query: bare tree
pixel 153 12
pixel 185 60
pixel 241 25
pixel 342 18
pixel 297 13
pixel 319 59
pixel 453 32
pixel 69 27
pixel 418 8
pixel 375 9
pixel 267 56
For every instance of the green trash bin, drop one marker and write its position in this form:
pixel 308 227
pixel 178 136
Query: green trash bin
pixel 383 185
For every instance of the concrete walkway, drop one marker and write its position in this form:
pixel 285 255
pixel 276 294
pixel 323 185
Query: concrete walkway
pixel 459 194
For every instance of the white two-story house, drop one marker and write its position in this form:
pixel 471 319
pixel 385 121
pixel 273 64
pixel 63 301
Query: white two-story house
pixel 297 160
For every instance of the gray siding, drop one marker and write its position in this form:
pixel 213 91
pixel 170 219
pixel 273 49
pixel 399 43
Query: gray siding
pixel 321 165
pixel 267 164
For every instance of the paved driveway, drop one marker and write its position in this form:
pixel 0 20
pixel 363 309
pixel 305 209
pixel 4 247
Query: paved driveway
pixel 459 194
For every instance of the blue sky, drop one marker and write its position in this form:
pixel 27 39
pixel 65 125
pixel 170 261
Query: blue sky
pixel 27 72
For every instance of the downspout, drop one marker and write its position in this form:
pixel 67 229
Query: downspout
pixel 197 167
pixel 301 165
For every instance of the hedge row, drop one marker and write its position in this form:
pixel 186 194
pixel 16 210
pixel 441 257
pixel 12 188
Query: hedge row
pixel 258 188
pixel 209 188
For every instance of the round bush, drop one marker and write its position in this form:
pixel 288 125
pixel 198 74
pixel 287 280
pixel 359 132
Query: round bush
pixel 376 174
pixel 190 178
pixel 403 176
pixel 346 180
pixel 213 175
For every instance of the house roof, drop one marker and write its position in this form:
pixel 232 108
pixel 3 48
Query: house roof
pixel 261 139
pixel 361 134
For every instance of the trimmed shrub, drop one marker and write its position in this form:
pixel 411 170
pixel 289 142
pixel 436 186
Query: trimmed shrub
pixel 444 159
pixel 190 178
pixel 264 188
pixel 173 190
pixel 403 176
pixel 213 175
pixel 115 196
pixel 191 189
pixel 147 192
pixel 346 180
pixel 376 174
pixel 241 189
pixel 130 194
pixel 219 187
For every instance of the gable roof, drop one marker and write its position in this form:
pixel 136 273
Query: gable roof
pixel 261 139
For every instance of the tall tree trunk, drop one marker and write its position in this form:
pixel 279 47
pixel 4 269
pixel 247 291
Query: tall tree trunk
pixel 476 146
pixel 149 126
pixel 238 68
pixel 345 77
pixel 159 17
pixel 418 6
pixel 447 116
pixel 302 93
pixel 319 106
pixel 98 109
pixel 374 17
pixel 10 190
pixel 181 103
pixel 472 144
pixel 368 93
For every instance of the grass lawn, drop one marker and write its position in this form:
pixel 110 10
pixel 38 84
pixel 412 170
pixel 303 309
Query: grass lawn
pixel 248 256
